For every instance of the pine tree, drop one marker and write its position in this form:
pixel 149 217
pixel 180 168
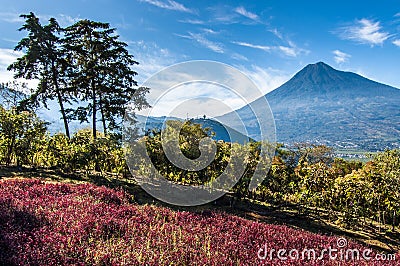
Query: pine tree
pixel 102 73
pixel 43 60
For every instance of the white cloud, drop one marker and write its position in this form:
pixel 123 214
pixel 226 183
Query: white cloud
pixel 170 5
pixel 290 50
pixel 62 19
pixel 255 46
pixel 195 99
pixel 209 31
pixel 192 21
pixel 225 14
pixel 213 46
pixel 340 57
pixel 7 57
pixel 239 57
pixel 11 17
pixel 66 20
pixel 204 88
pixel 365 31
pixel 242 11
pixel 222 14
pixel 397 42
pixel 277 33
pixel 151 58
pixel 266 79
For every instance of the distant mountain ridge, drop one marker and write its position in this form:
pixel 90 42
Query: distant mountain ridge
pixel 221 132
pixel 320 104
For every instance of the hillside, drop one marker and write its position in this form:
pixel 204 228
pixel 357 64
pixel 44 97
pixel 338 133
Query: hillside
pixel 45 223
pixel 342 109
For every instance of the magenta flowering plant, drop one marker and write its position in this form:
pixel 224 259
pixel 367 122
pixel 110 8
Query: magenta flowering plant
pixel 64 224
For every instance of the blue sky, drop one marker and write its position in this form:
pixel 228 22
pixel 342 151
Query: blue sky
pixel 267 40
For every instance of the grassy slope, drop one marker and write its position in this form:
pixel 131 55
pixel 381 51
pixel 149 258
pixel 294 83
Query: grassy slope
pixel 103 229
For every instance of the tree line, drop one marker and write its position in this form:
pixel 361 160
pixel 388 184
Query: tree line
pixel 307 177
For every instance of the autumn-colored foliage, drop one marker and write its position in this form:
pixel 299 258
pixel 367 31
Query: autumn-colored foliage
pixel 57 224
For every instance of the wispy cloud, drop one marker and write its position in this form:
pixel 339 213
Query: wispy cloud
pixel 192 21
pixel 223 14
pixel 11 17
pixel 397 42
pixel 62 19
pixel 209 31
pixel 170 5
pixel 277 33
pixel 242 11
pixel 340 57
pixel 255 46
pixel 151 58
pixel 226 14
pixel 290 50
pixel 8 56
pixel 239 57
pixel 364 31
pixel 199 38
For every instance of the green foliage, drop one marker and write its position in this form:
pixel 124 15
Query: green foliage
pixel 85 61
pixel 308 176
pixel 353 189
pixel 189 138
pixel 101 73
pixel 22 135
pixel 43 59
pixel 83 152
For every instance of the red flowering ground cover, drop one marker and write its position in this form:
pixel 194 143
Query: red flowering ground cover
pixel 64 224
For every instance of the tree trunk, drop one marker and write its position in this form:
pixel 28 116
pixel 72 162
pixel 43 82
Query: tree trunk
pixel 64 116
pixel 60 101
pixel 103 119
pixel 9 151
pixel 96 163
pixel 94 110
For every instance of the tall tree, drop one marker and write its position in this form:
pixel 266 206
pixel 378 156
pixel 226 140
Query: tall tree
pixel 43 60
pixel 102 73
